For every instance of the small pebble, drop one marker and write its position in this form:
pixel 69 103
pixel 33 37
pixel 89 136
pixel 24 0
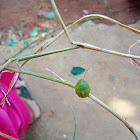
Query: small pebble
pixel 42 14
pixel 85 12
pixel 111 78
pixel 8 51
pixel 65 10
pixel 54 24
pixel 64 136
pixel 52 110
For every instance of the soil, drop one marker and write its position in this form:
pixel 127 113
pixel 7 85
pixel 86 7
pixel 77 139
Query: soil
pixel 23 15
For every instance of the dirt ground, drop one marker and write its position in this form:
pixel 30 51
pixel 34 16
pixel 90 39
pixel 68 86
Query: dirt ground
pixel 23 15
pixel 113 79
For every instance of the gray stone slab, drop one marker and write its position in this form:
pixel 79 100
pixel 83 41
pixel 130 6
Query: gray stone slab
pixel 112 79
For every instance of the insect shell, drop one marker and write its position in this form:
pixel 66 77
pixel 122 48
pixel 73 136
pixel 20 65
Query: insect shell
pixel 82 88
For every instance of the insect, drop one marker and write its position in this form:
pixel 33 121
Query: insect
pixel 82 88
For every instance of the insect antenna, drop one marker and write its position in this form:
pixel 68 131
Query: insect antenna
pixel 86 73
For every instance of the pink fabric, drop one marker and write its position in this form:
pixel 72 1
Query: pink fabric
pixel 15 118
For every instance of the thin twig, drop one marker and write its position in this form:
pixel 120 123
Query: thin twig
pixel 44 54
pixel 14 79
pixel 133 61
pixel 42 47
pixel 51 32
pixel 73 86
pixel 62 23
pixel 39 75
pixel 51 40
pixel 35 56
pixel 74 121
pixel 115 114
pixel 6 63
pixel 2 88
pixel 7 136
pixel 88 46
pixel 55 74
pixel 82 45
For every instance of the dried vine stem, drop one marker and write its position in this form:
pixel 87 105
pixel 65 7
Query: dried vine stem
pixel 88 46
pixel 6 63
pixel 126 123
pixel 44 46
pixel 7 136
pixel 62 23
pixel 78 44
pixel 31 73
pixel 85 45
pixel 10 87
pixel 2 88
pixel 73 86
pixel 35 56
pixel 50 41
pixel 39 75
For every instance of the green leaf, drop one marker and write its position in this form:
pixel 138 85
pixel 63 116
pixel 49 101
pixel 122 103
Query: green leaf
pixel 26 44
pixel 51 15
pixel 13 41
pixel 77 70
pixel 34 32
pixel 51 7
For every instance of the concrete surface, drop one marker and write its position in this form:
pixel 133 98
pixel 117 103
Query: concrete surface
pixel 112 79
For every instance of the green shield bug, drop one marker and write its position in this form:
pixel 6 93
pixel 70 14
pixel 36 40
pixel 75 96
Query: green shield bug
pixel 82 88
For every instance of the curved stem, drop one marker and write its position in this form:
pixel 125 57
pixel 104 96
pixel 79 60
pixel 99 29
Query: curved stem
pixel 133 61
pixel 110 19
pixel 44 46
pixel 51 40
pixel 126 123
pixel 88 46
pixel 51 32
